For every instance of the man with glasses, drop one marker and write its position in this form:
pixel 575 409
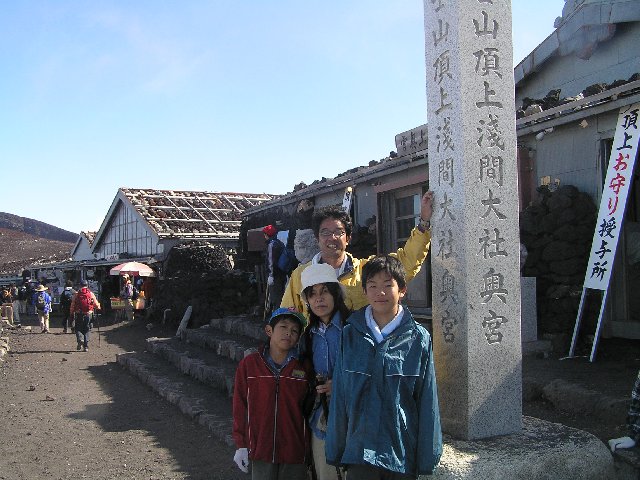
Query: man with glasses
pixel 332 227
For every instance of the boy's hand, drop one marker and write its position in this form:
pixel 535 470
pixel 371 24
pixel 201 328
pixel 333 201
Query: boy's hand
pixel 324 388
pixel 242 459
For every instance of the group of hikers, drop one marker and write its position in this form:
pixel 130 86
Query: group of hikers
pixel 77 307
pixel 346 382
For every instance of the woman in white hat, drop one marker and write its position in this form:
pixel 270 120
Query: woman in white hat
pixel 324 297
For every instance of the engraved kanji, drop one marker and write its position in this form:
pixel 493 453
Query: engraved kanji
pixel 493 286
pixel 448 288
pixel 491 203
pixel 443 105
pixel 445 172
pixel 446 203
pixel 442 34
pixel 484 30
pixel 441 67
pixel 487 61
pixel 448 326
pixel 491 246
pixel 490 133
pixel 491 167
pixel 492 324
pixel 445 244
pixel 488 92
pixel 444 136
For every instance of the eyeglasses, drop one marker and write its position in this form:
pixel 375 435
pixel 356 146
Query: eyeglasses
pixel 328 233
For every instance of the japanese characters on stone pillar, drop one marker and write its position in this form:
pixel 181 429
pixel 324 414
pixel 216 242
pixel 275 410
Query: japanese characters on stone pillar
pixel 475 236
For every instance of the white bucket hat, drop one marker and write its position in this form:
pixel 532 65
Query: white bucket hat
pixel 318 273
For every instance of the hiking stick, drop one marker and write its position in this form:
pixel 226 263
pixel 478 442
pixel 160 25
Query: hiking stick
pixel 266 304
pixel 98 325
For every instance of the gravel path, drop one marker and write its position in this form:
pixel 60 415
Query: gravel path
pixel 66 414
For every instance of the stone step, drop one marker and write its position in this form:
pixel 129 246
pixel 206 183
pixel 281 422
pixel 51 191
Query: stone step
pixel 201 403
pixel 203 364
pixel 627 464
pixel 245 325
pixel 234 346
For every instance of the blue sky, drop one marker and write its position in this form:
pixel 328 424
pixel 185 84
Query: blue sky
pixel 225 95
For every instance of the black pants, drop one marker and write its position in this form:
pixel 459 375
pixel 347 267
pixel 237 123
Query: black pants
pixel 67 321
pixel 83 326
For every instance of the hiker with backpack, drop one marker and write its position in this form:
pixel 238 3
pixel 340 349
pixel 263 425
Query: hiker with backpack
pixel 42 302
pixel 276 278
pixel 83 306
pixel 129 294
pixel 65 305
pixel 23 295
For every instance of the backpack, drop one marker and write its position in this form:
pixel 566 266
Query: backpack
pixel 84 301
pixel 65 298
pixel 287 262
pixel 40 301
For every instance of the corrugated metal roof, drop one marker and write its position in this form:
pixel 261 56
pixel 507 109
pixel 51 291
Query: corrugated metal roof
pixel 172 213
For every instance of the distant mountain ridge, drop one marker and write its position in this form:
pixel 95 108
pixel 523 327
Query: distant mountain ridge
pixel 25 243
pixel 36 228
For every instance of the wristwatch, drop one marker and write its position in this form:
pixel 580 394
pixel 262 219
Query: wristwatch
pixel 424 225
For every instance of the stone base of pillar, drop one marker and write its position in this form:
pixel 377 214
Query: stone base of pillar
pixel 542 450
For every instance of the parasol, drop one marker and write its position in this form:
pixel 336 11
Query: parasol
pixel 133 268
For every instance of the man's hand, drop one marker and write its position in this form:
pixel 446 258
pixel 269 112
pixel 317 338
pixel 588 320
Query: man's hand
pixel 426 206
pixel 242 459
pixel 269 280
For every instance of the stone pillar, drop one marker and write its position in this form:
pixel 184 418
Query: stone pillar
pixel 475 244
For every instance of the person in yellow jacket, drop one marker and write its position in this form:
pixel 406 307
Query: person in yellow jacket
pixel 332 227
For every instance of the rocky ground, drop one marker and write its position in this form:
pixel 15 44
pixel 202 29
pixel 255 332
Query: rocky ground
pixel 67 414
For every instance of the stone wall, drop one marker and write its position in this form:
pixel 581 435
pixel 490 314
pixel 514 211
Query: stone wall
pixel 557 230
pixel 200 274
pixel 215 294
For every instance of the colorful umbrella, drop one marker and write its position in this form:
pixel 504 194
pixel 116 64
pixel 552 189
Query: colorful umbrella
pixel 133 268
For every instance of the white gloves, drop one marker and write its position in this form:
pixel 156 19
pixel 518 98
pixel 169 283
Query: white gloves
pixel 242 459
pixel 270 280
pixel 622 442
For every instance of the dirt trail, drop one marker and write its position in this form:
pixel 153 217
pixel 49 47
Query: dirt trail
pixel 66 414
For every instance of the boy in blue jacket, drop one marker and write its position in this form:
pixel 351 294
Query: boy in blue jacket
pixel 384 421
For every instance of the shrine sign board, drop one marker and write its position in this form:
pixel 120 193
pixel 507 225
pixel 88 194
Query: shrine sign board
pixel 614 199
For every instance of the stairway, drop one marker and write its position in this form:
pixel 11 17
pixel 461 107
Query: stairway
pixel 196 371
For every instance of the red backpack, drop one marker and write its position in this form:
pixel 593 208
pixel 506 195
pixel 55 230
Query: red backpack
pixel 84 301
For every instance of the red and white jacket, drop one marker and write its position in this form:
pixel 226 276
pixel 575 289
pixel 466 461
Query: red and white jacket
pixel 268 417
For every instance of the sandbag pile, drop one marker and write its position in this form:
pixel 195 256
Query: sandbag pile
pixel 557 230
pixel 216 294
pixel 195 258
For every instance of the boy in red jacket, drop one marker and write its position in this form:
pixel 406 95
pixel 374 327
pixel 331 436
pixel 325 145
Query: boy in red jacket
pixel 270 390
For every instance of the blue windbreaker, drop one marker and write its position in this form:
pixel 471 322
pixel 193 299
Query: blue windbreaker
pixel 384 403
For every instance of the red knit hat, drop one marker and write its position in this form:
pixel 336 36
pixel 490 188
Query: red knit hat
pixel 269 230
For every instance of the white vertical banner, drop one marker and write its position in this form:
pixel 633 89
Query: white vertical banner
pixel 614 199
pixel 346 200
